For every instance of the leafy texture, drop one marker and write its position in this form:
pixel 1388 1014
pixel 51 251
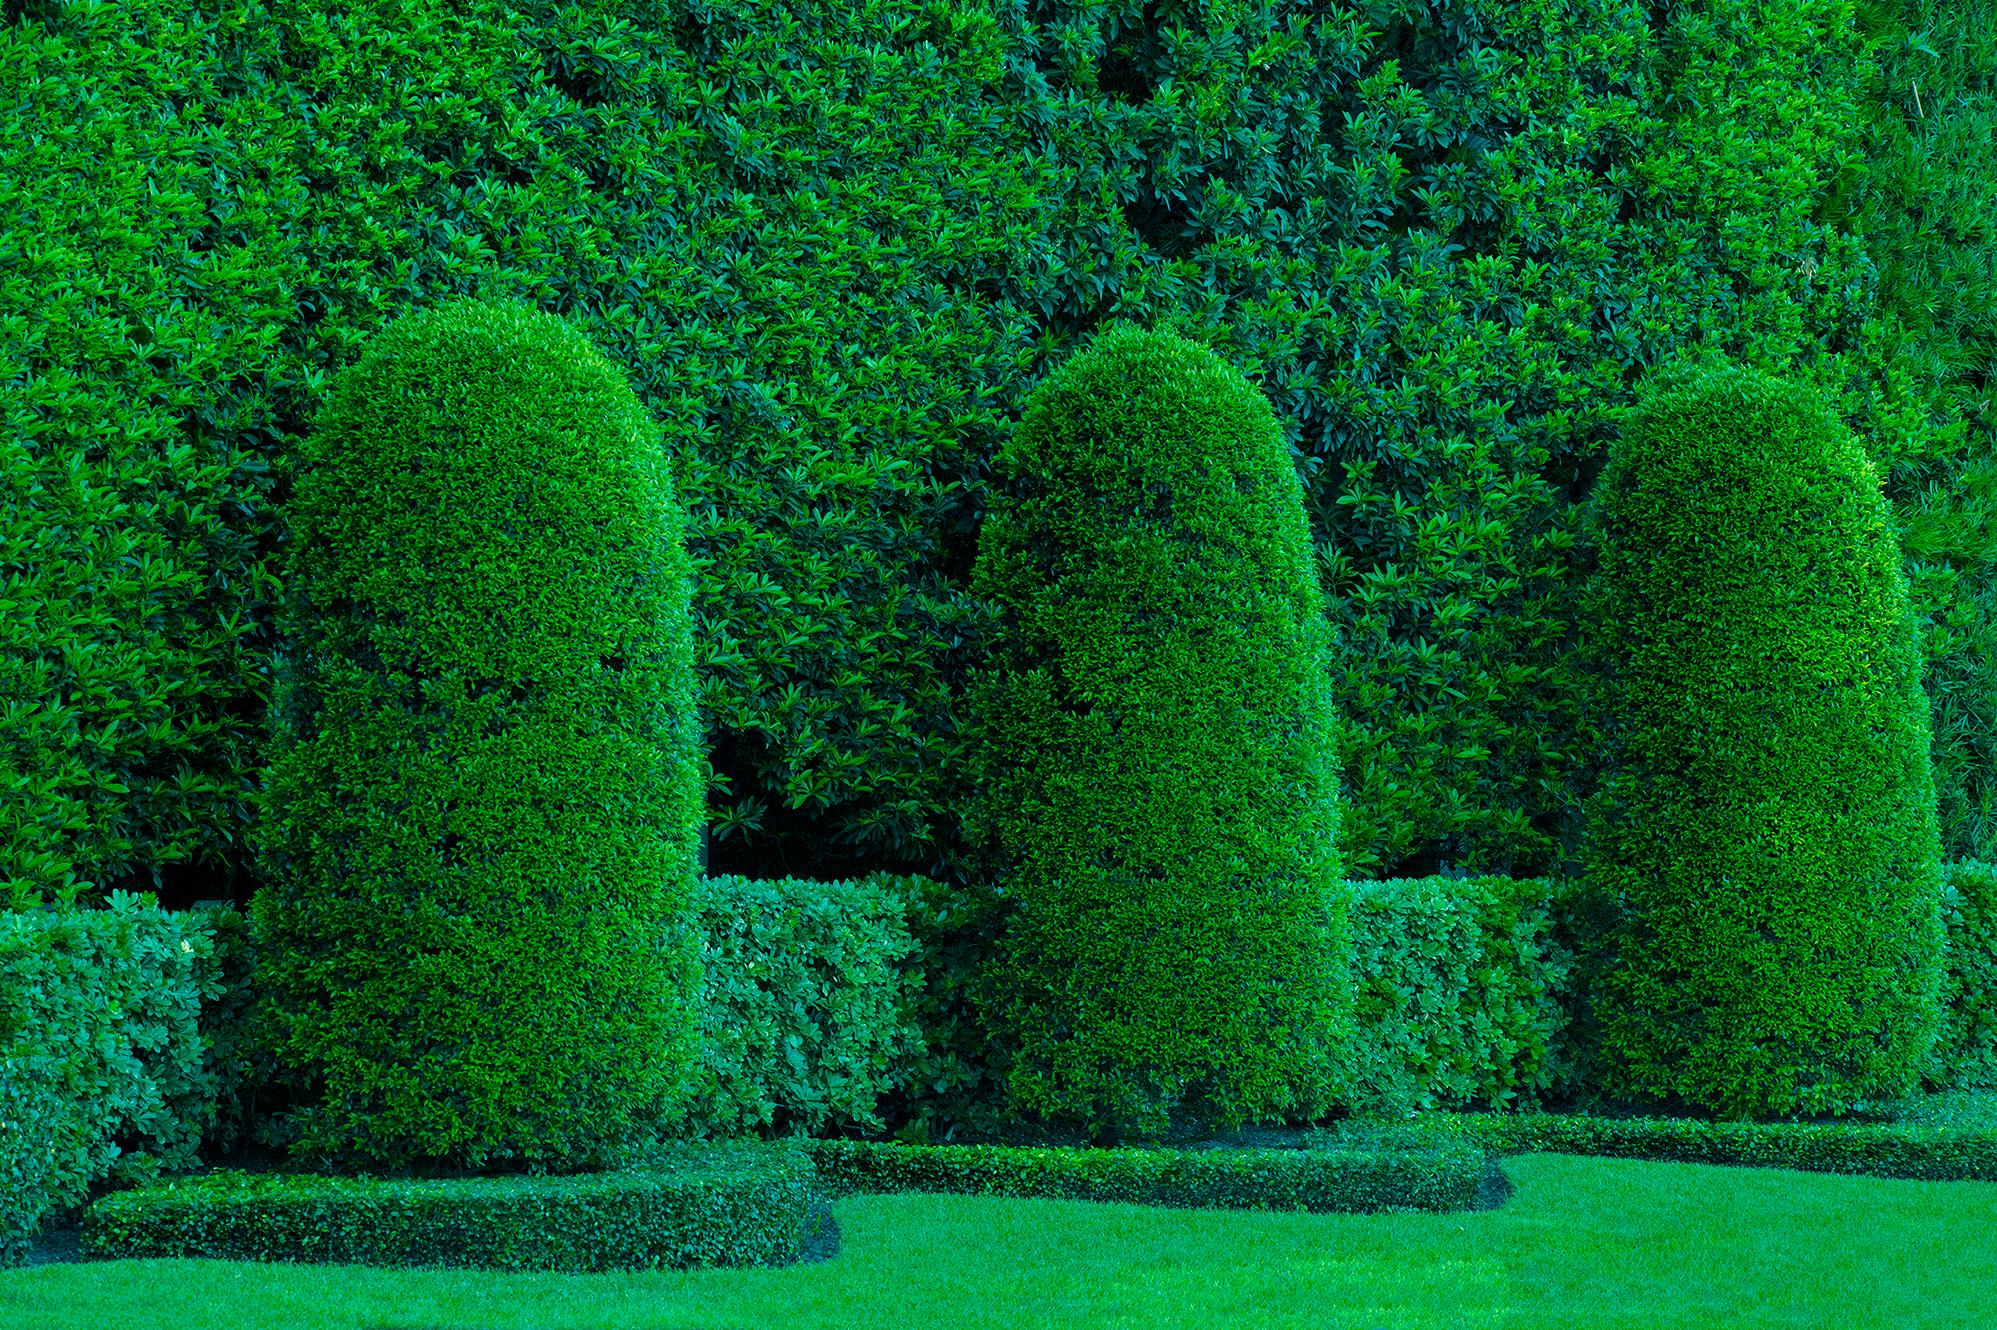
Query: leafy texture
pixel 804 1009
pixel 1449 1178
pixel 1157 773
pixel 716 1206
pixel 1766 831
pixel 835 245
pixel 106 1069
pixel 484 803
pixel 1459 984
pixel 1965 1054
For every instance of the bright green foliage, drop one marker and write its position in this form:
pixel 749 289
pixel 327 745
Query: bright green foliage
pixel 1766 829
pixel 740 1205
pixel 484 803
pixel 1158 778
pixel 835 245
pixel 105 1067
pixel 1928 208
pixel 1459 984
pixel 1878 1149
pixel 805 1017
pixel 146 274
pixel 1965 1053
pixel 1450 1178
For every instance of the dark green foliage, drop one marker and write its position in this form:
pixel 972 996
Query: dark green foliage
pixel 952 1083
pixel 106 1070
pixel 484 802
pixel 1447 239
pixel 1459 985
pixel 742 1205
pixel 1450 1178
pixel 1879 1149
pixel 1766 830
pixel 1965 1053
pixel 1157 777
pixel 805 1017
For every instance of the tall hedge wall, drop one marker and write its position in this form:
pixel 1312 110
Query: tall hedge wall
pixel 1766 831
pixel 834 245
pixel 477 941
pixel 1157 780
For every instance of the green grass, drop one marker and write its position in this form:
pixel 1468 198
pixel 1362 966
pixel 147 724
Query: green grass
pixel 1584 1243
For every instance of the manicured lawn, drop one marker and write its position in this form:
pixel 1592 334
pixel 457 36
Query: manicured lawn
pixel 1584 1243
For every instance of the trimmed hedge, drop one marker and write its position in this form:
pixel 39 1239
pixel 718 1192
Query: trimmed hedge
pixel 106 1068
pixel 1157 780
pixel 805 1004
pixel 1449 1178
pixel 1459 984
pixel 1887 1150
pixel 1765 836
pixel 485 797
pixel 742 1206
pixel 1965 1055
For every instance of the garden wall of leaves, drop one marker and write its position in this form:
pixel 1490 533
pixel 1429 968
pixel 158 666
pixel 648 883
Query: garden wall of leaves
pixel 835 244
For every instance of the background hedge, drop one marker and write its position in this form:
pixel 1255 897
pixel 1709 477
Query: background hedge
pixel 741 1205
pixel 476 944
pixel 1460 987
pixel 835 245
pixel 805 1004
pixel 1156 781
pixel 1766 831
pixel 1965 1052
pixel 108 1069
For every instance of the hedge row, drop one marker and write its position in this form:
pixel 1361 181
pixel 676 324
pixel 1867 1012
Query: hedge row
pixel 745 1205
pixel 1452 1177
pixel 1444 238
pixel 112 1058
pixel 1935 1153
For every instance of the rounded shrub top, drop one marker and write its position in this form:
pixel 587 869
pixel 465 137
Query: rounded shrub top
pixel 1159 788
pixel 486 795
pixel 1767 822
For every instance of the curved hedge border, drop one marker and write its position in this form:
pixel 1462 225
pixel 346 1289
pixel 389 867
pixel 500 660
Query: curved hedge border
pixel 1455 1176
pixel 1885 1150
pixel 743 1206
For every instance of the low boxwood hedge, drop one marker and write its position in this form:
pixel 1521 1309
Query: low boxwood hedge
pixel 717 1206
pixel 1926 1151
pixel 1453 1176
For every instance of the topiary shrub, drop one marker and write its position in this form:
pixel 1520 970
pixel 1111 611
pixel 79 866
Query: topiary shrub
pixel 1158 785
pixel 1765 833
pixel 484 803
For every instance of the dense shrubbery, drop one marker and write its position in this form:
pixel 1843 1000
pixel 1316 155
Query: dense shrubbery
pixel 1766 831
pixel 1459 983
pixel 736 1205
pixel 806 1004
pixel 1965 1054
pixel 484 807
pixel 1156 774
pixel 1445 238
pixel 106 1072
pixel 1452 1177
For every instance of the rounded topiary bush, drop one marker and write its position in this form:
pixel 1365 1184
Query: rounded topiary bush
pixel 1158 781
pixel 1766 827
pixel 483 807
